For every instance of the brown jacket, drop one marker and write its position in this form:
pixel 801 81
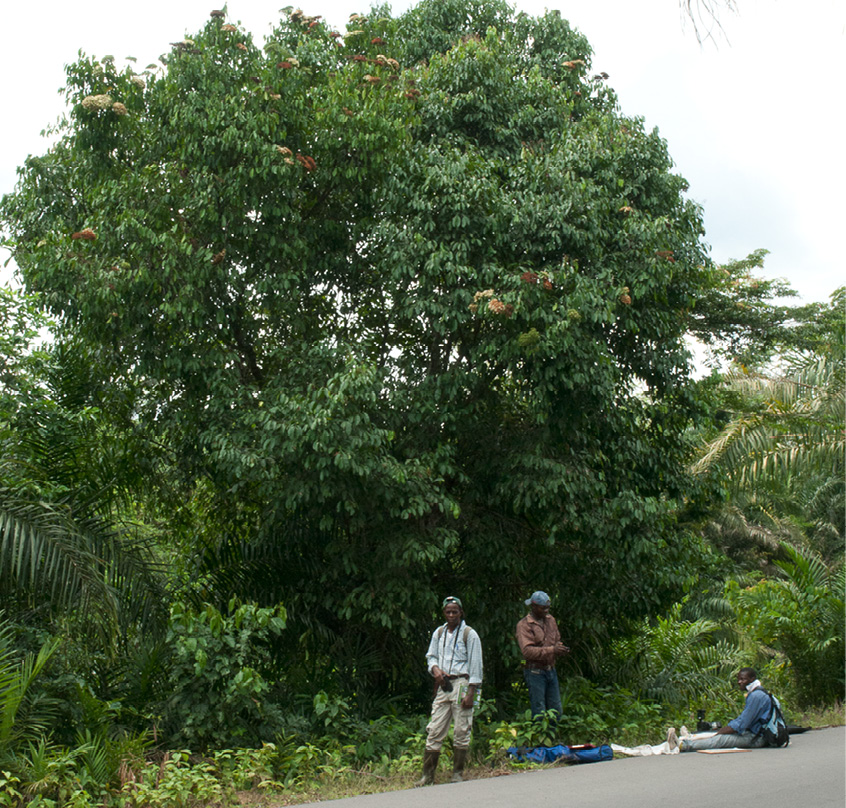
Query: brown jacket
pixel 537 639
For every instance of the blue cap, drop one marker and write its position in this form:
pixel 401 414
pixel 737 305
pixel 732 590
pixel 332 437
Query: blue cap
pixel 541 598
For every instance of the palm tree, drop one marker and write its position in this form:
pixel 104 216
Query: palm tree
pixel 796 429
pixel 16 678
pixel 800 615
pixel 783 454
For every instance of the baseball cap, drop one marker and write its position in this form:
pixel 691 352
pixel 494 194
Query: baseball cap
pixel 541 598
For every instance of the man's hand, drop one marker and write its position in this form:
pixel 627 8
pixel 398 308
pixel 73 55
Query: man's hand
pixel 439 675
pixel 726 730
pixel 467 701
pixel 561 649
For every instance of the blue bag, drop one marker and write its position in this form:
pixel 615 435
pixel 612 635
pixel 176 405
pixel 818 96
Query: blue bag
pixel 595 755
pixel 550 754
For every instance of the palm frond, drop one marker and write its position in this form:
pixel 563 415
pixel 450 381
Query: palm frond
pixel 797 426
pixel 16 678
pixel 65 563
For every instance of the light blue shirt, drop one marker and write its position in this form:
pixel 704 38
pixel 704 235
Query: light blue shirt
pixel 755 713
pixel 452 656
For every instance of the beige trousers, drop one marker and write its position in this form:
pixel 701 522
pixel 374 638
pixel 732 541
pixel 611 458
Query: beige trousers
pixel 446 710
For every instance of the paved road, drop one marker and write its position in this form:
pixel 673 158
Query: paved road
pixel 810 772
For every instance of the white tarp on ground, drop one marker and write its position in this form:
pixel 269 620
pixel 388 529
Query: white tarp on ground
pixel 665 748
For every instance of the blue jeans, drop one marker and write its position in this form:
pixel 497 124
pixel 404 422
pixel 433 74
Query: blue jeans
pixel 544 693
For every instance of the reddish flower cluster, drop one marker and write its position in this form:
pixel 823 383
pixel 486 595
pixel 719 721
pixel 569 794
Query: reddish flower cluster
pixel 284 65
pixel 228 28
pixel 547 284
pixel 372 79
pixel 412 93
pixel 218 257
pixel 625 300
pixel 217 14
pixel 377 40
pixel 86 235
pixel 359 58
pixel 306 162
pixel 667 255
pixel 241 46
pixel 529 277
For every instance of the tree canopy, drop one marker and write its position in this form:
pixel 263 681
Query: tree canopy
pixel 406 305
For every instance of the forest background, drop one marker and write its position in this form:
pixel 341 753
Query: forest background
pixel 341 324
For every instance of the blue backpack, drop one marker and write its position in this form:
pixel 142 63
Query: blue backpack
pixel 774 732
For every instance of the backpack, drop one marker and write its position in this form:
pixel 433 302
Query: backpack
pixel 774 732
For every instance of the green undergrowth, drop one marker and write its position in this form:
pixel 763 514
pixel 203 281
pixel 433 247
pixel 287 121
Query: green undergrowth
pixel 821 717
pixel 288 772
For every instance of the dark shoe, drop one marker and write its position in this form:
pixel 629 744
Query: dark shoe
pixel 430 763
pixel 459 758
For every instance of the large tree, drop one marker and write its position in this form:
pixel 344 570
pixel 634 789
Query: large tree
pixel 407 304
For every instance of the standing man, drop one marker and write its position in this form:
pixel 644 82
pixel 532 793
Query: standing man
pixel 540 643
pixel 454 659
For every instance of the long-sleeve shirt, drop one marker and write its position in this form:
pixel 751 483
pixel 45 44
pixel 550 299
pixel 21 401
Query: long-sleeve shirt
pixel 755 713
pixel 537 639
pixel 455 657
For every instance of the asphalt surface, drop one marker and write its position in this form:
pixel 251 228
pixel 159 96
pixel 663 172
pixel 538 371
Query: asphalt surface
pixel 810 772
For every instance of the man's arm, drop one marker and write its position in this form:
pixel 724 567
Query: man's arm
pixel 432 659
pixel 757 703
pixel 555 635
pixel 474 668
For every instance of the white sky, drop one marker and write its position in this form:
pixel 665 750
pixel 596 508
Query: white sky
pixel 754 118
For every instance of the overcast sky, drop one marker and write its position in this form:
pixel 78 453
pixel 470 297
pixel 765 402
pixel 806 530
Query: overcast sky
pixel 754 117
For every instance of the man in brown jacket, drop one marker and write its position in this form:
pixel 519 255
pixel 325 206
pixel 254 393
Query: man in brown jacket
pixel 540 643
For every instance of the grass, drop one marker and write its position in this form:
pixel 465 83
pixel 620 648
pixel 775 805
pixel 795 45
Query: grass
pixel 362 782
pixel 821 717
